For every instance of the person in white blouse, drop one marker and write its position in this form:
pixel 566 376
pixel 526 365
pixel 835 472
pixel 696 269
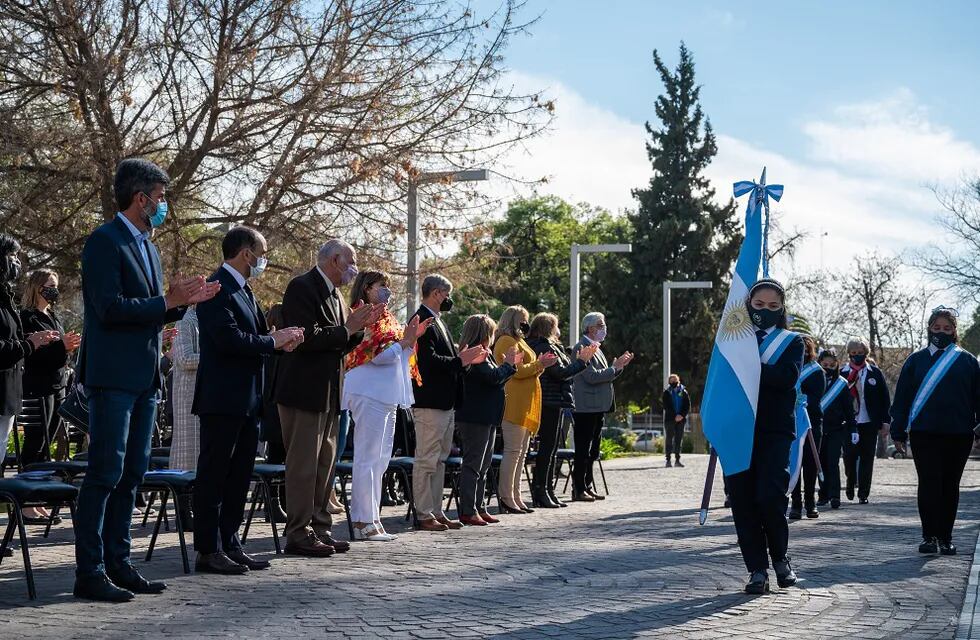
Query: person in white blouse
pixel 378 381
pixel 186 355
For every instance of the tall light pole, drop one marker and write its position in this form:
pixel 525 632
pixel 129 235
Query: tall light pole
pixel 668 285
pixel 412 284
pixel 573 304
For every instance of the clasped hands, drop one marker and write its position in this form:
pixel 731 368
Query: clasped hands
pixel 185 291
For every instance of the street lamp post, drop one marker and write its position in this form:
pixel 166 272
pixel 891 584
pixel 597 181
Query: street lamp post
pixel 412 288
pixel 668 285
pixel 573 304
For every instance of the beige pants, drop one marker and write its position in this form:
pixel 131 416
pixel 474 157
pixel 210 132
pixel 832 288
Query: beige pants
pixel 433 443
pixel 516 442
pixel 311 451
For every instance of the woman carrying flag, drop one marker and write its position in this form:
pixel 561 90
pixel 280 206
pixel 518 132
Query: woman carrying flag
pixel 839 428
pixel 937 407
pixel 758 494
pixel 812 386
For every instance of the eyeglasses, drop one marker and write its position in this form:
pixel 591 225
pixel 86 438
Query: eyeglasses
pixel 943 309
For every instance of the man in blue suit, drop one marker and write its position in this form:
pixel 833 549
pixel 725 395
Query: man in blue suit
pixel 119 365
pixel 228 398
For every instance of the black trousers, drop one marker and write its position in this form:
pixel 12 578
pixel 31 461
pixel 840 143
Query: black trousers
pixel 859 459
pixel 673 437
pixel 939 462
pixel 806 485
pixel 831 447
pixel 224 472
pixel 477 442
pixel 553 423
pixel 588 435
pixel 38 437
pixel 758 497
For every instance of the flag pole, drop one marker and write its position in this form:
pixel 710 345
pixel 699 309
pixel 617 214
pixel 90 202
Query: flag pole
pixel 709 480
pixel 815 452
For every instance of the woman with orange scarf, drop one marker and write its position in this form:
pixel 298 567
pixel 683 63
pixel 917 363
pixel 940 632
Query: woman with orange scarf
pixel 522 408
pixel 379 378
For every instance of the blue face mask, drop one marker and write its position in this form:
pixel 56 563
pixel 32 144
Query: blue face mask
pixel 384 295
pixel 159 214
pixel 260 265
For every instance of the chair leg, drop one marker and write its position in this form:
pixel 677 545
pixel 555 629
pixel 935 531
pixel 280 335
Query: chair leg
pixel 568 478
pixel 272 518
pixel 603 474
pixel 344 499
pixel 411 514
pixel 54 514
pixel 8 534
pixel 179 523
pixel 146 509
pixel 164 495
pixel 22 532
pixel 251 514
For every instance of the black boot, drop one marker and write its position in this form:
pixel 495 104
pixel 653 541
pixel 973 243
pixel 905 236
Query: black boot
pixel 539 494
pixel 554 498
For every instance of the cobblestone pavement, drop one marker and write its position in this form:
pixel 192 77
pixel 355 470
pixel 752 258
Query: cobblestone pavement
pixel 634 565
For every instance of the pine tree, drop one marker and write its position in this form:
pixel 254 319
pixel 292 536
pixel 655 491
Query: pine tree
pixel 680 234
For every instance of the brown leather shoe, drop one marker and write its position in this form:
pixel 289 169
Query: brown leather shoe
pixel 489 519
pixel 310 547
pixel 595 496
pixel 582 497
pixel 451 524
pixel 473 521
pixel 431 524
pixel 340 546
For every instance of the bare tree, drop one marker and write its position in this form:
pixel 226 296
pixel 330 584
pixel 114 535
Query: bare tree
pixel 957 263
pixel 304 119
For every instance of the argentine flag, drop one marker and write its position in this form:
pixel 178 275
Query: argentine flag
pixel 731 392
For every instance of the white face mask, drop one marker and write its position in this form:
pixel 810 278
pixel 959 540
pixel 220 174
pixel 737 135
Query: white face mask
pixel 600 335
pixel 260 264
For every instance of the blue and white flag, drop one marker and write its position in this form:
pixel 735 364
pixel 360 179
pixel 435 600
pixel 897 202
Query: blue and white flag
pixel 731 392
pixel 802 426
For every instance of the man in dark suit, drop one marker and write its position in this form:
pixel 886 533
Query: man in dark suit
pixel 308 393
pixel 441 368
pixel 228 399
pixel 119 365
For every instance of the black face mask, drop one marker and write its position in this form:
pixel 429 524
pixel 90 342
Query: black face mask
pixel 940 340
pixel 831 373
pixel 765 318
pixel 525 328
pixel 673 384
pixel 446 305
pixel 50 294
pixel 859 359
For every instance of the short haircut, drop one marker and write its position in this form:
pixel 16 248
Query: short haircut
pixel 591 319
pixel 435 282
pixel 510 322
pixel 476 330
pixel 238 238
pixel 331 248
pixel 856 343
pixel 136 175
pixel 544 325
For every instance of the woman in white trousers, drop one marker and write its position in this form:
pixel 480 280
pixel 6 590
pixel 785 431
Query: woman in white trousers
pixel 377 382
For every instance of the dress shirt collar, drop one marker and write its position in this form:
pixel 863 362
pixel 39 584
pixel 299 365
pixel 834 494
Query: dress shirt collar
pixel 239 278
pixel 330 285
pixel 139 235
pixel 435 314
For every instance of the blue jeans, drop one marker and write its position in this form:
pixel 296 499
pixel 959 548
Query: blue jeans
pixel 118 455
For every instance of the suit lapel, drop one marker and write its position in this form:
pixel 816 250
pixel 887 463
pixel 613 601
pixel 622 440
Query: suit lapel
pixel 134 251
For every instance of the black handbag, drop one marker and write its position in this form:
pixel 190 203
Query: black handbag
pixel 74 408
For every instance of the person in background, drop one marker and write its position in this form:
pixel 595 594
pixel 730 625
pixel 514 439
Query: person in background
pixel 677 404
pixel 185 445
pixel 839 428
pixel 126 309
pixel 869 392
pixel 758 494
pixel 522 409
pixel 441 366
pixel 378 381
pixel 812 386
pixel 479 417
pixel 594 398
pixel 937 407
pixel 44 372
pixel 270 429
pixel 557 403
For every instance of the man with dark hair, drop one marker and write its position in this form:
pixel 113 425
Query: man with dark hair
pixel 119 366
pixel 228 400
pixel 677 404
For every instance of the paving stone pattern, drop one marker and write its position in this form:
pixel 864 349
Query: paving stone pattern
pixel 634 565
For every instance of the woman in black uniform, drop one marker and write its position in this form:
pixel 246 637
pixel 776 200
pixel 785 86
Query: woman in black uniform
pixel 839 428
pixel 937 406
pixel 812 385
pixel 758 494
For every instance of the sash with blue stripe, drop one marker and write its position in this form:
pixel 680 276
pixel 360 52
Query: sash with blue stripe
pixel 832 393
pixel 774 345
pixel 931 381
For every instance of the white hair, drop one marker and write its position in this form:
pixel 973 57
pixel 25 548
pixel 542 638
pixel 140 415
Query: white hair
pixel 331 248
pixel 857 342
pixel 591 319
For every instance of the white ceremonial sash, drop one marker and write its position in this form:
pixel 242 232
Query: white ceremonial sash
pixel 931 381
pixel 832 393
pixel 774 345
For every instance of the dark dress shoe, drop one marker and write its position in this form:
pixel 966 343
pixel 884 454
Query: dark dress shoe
pixel 8 552
pixel 542 501
pixel 669 463
pixel 454 525
pixel 823 502
pixel 311 547
pixel 126 577
pixel 340 546
pixel 863 501
pixel 239 556
pixel 677 463
pixel 835 503
pixel 99 587
pixel 795 513
pixel 489 519
pixel 812 512
pixel 785 576
pixel 758 583
pixel 42 521
pixel 582 497
pixel 929 545
pixel 506 508
pixel 849 492
pixel 388 501
pixel 219 563
pixel 554 498
pixel 595 496
pixel 527 510
pixel 728 502
pixel 947 548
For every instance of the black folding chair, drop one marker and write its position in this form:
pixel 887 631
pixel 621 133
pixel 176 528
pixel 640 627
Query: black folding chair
pixel 269 478
pixel 180 485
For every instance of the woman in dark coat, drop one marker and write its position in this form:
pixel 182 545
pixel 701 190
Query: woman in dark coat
pixel 839 428
pixel 557 403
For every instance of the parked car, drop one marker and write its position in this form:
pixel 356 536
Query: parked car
pixel 646 440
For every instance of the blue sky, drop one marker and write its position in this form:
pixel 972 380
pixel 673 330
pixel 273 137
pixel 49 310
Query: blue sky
pixel 765 67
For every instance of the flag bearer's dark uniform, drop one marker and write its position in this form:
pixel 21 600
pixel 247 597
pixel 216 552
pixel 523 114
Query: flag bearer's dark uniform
pixel 813 387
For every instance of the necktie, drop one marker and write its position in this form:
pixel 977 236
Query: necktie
pixel 760 335
pixel 251 298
